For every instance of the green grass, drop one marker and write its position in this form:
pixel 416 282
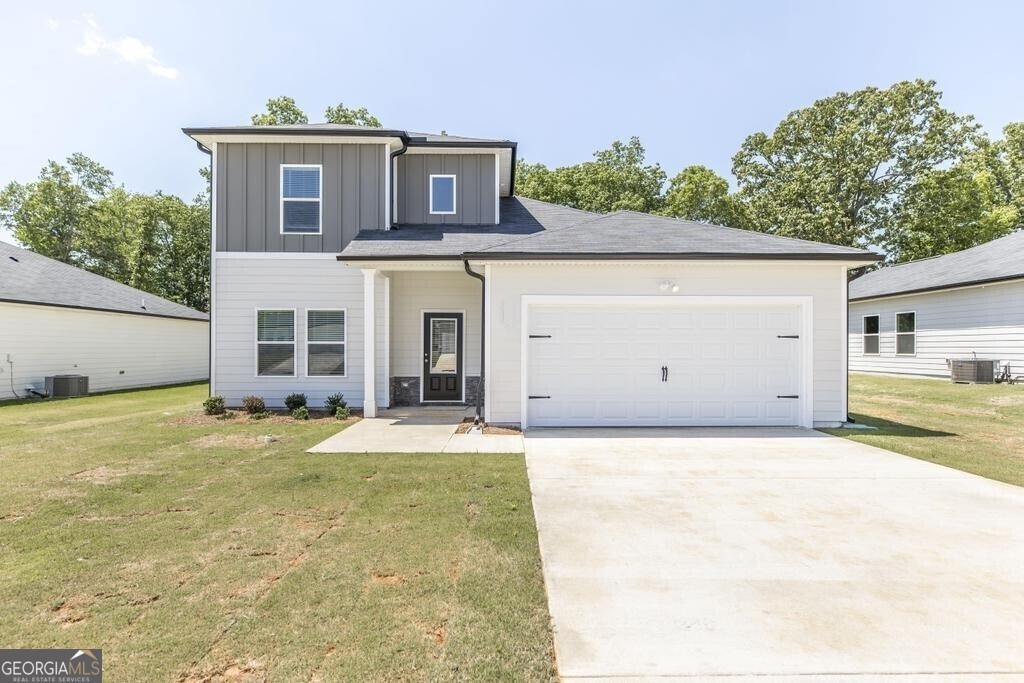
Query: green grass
pixel 977 428
pixel 194 551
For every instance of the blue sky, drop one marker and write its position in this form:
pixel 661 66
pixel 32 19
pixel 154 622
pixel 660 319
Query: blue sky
pixel 117 80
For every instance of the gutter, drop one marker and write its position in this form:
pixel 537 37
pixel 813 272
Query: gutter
pixel 483 322
pixel 938 288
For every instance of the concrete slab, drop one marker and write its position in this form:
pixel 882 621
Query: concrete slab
pixel 773 554
pixel 484 443
pixel 401 430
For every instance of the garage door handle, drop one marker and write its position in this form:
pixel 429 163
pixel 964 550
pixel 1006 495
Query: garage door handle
pixel 538 397
pixel 788 396
pixel 787 336
pixel 540 336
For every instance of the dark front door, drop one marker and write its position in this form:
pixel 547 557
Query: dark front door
pixel 442 357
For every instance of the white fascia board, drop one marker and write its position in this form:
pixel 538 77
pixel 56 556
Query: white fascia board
pixel 209 139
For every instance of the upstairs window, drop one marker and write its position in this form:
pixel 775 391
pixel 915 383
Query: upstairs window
pixel 906 334
pixel 301 212
pixel 442 194
pixel 871 334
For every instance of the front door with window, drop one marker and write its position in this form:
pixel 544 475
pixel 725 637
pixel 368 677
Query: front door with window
pixel 442 357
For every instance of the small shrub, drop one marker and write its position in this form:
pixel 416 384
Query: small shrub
pixel 260 415
pixel 226 416
pixel 342 412
pixel 254 404
pixel 214 405
pixel 301 413
pixel 295 401
pixel 333 402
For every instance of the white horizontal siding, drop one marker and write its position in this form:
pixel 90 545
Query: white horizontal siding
pixel 412 292
pixel 986 320
pixel 116 350
pixel 246 284
pixel 825 283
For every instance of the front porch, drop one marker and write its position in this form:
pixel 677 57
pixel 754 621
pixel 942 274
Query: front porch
pixel 424 320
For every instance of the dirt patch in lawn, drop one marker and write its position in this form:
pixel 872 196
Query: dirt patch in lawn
pixel 250 671
pixel 233 441
pixel 101 475
pixel 467 424
pixel 386 579
pixel 71 611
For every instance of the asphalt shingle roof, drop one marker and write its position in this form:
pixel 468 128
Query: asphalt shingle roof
pixel 1000 259
pixel 27 277
pixel 533 229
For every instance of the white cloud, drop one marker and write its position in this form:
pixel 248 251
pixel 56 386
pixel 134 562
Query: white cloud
pixel 128 49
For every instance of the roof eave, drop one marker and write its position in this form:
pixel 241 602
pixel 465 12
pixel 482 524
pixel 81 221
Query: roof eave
pixel 102 309
pixel 939 288
pixel 596 256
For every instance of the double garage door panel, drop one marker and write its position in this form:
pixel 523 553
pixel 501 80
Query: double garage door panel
pixel 600 365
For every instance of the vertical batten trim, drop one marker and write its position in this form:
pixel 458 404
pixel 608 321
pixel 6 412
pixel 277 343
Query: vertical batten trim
pixel 369 343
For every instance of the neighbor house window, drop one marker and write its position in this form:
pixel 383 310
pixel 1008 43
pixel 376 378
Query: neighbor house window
pixel 325 342
pixel 906 334
pixel 275 343
pixel 442 194
pixel 300 199
pixel 871 334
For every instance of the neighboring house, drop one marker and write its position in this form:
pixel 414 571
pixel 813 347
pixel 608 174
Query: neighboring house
pixel 909 319
pixel 56 319
pixel 332 240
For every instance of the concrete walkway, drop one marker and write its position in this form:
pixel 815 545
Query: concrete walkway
pixel 773 555
pixel 416 430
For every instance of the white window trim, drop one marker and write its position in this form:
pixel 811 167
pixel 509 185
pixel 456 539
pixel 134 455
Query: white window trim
pixel 876 335
pixel 455 193
pixel 283 199
pixel 256 347
pixel 343 342
pixel 896 331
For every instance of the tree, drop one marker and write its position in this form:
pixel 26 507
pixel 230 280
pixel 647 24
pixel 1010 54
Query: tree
pixel 699 194
pixel 834 171
pixel 616 179
pixel 358 117
pixel 50 215
pixel 948 210
pixel 281 111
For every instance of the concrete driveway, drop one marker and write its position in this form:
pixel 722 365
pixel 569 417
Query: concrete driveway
pixel 773 555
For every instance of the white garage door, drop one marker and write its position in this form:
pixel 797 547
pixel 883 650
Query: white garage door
pixel 654 365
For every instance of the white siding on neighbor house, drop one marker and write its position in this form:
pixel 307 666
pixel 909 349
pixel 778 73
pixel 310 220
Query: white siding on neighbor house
pixel 824 282
pixel 244 285
pixel 985 320
pixel 413 292
pixel 116 350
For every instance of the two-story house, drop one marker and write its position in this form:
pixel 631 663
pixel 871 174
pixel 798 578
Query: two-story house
pixel 400 268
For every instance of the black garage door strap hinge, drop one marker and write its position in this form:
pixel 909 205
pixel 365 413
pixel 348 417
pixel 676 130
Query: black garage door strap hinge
pixel 538 397
pixel 787 336
pixel 788 396
pixel 540 336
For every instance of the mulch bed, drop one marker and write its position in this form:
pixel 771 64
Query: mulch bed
pixel 467 424
pixel 280 416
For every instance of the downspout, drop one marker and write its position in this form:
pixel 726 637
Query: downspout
pixel 209 345
pixel 391 185
pixel 483 323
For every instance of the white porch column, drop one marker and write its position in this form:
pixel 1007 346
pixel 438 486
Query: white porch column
pixel 369 342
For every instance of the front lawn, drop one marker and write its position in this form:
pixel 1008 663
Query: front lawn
pixel 977 428
pixel 192 551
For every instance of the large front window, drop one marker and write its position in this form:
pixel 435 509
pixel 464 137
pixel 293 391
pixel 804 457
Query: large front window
pixel 301 205
pixel 275 343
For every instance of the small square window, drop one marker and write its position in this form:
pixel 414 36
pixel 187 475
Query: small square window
pixel 301 199
pixel 442 194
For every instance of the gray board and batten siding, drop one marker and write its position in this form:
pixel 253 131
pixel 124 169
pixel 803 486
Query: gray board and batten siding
pixel 249 195
pixel 474 188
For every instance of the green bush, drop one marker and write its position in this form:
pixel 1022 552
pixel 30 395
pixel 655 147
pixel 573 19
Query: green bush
pixel 342 412
pixel 260 415
pixel 295 401
pixel 214 405
pixel 226 416
pixel 253 405
pixel 301 413
pixel 333 402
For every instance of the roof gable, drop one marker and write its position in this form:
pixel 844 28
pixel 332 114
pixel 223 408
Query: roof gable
pixel 997 260
pixel 31 278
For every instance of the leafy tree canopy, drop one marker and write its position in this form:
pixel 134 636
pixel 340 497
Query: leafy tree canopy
pixel 699 194
pixel 283 111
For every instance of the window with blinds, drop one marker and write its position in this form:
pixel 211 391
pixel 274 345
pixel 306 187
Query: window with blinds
pixel 301 205
pixel 275 343
pixel 325 342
